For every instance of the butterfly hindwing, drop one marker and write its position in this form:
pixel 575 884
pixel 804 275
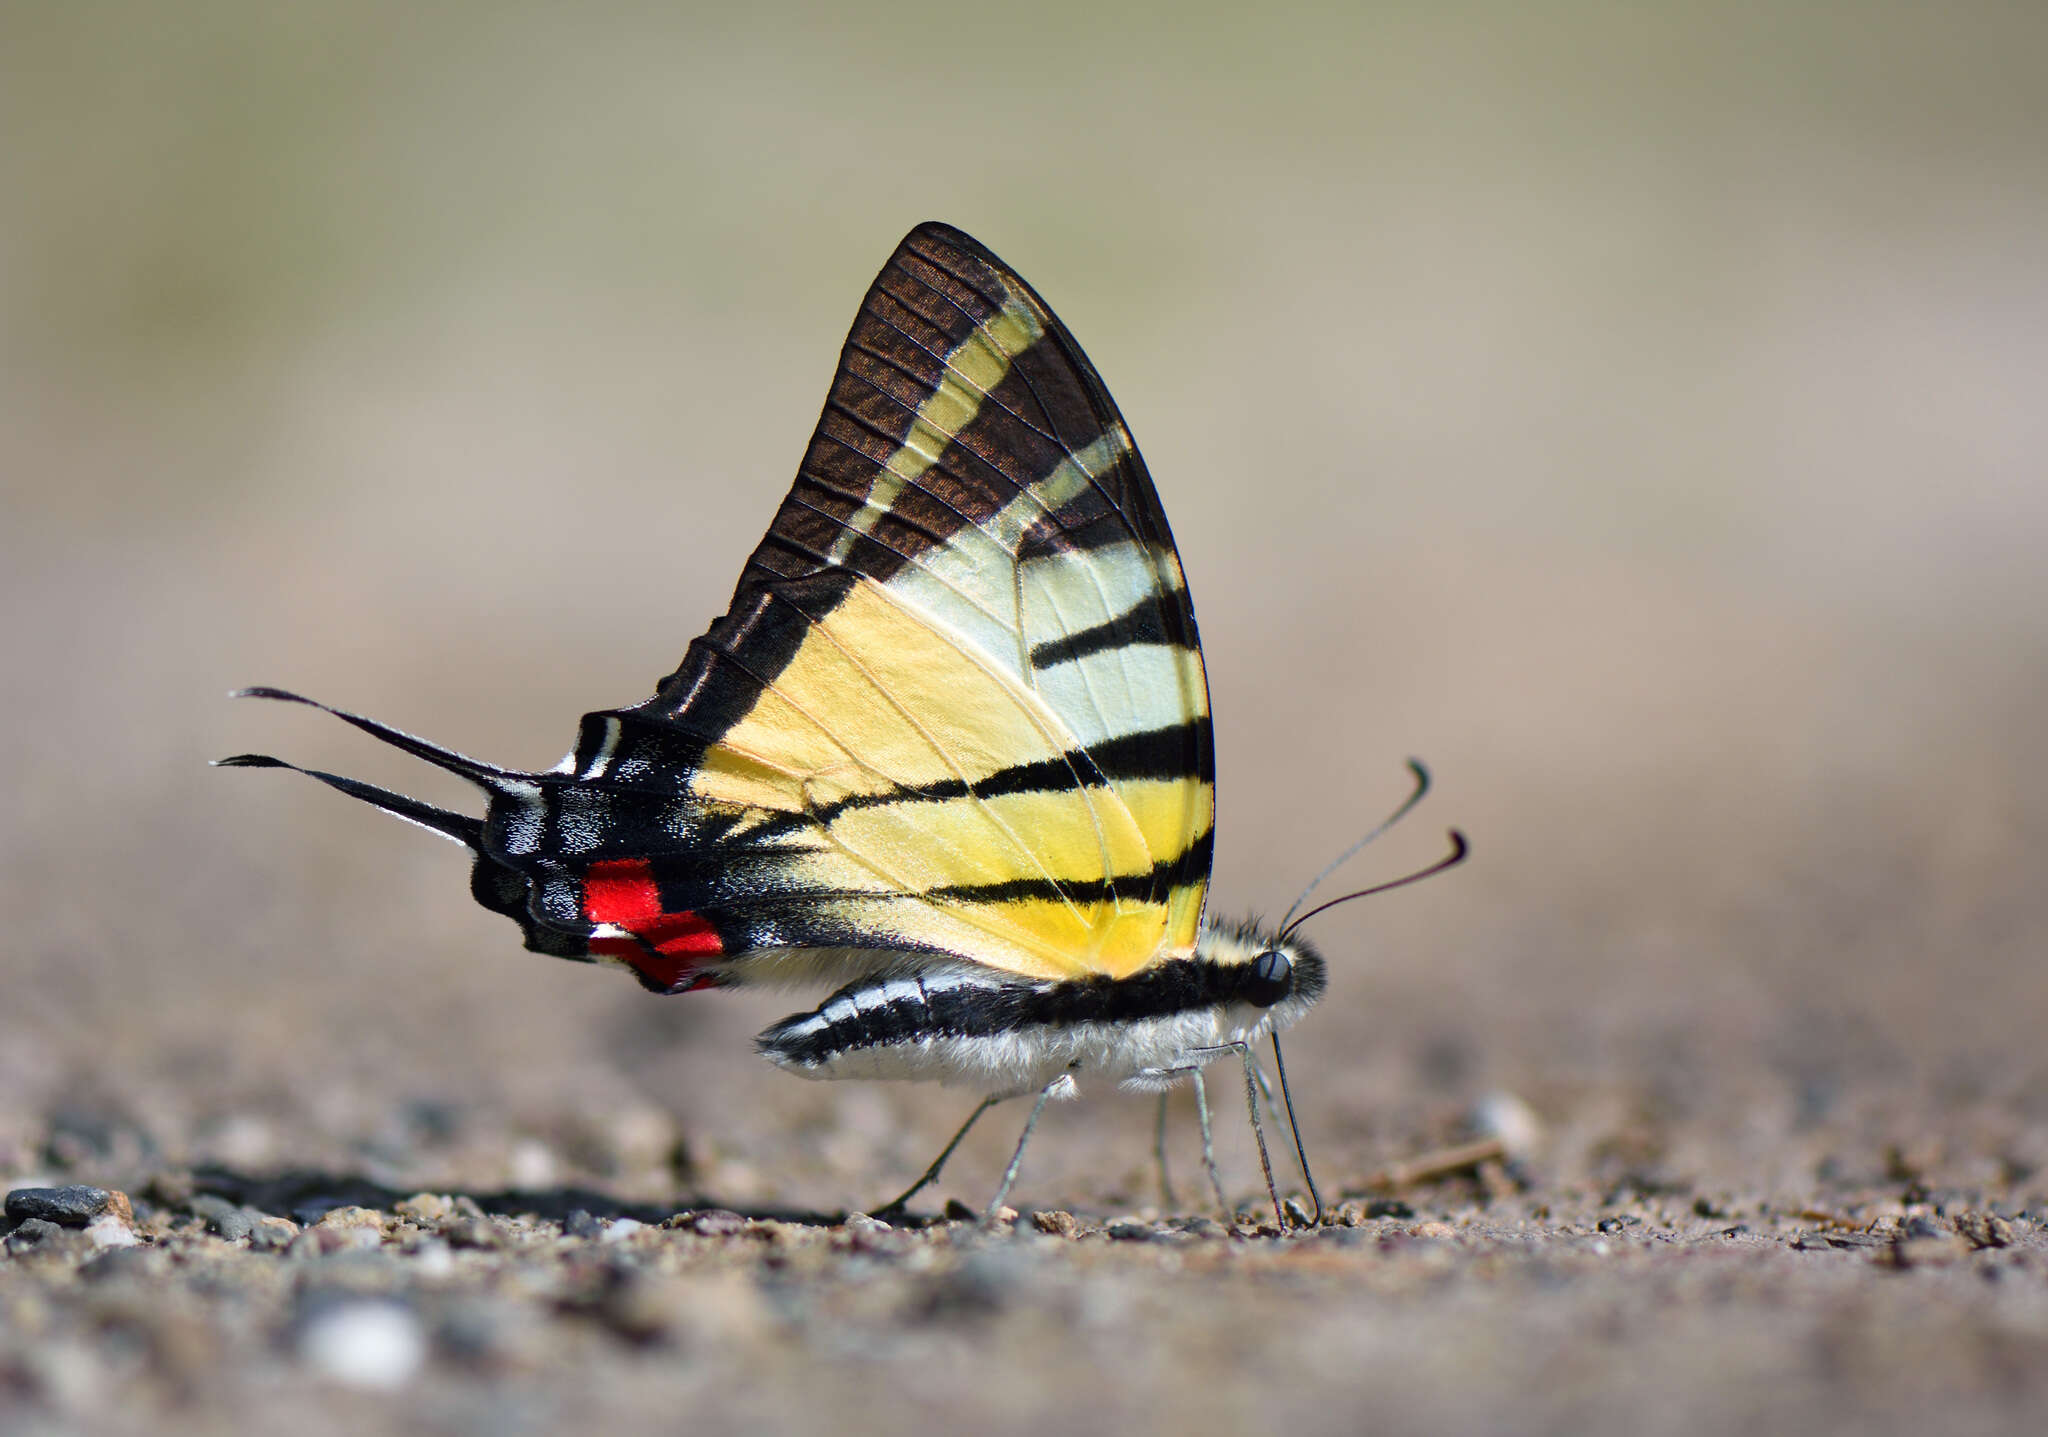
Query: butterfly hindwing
pixel 957 705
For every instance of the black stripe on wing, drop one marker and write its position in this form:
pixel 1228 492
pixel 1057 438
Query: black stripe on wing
pixel 937 292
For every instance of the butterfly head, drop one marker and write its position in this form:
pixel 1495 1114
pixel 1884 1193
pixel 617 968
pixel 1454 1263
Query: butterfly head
pixel 1265 982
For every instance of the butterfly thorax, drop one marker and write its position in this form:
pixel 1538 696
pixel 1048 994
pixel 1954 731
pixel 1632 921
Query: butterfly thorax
pixel 956 1025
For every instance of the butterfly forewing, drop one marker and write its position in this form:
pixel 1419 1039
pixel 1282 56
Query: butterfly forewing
pixel 957 704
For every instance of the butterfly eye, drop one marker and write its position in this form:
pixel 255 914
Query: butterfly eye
pixel 1271 976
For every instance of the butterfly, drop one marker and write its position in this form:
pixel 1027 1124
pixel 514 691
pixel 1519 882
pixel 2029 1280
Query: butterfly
pixel 948 752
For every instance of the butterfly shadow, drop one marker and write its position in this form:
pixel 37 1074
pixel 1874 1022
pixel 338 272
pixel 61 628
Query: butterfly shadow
pixel 305 1195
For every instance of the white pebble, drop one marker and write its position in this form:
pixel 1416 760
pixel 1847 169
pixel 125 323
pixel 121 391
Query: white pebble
pixel 619 1229
pixel 376 1345
pixel 108 1230
pixel 1514 1122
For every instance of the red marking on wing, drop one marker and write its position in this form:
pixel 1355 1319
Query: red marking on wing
pixel 665 946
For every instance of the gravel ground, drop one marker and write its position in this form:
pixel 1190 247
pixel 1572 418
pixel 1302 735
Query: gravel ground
pixel 1618 1296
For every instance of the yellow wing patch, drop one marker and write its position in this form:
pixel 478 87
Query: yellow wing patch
pixel 879 704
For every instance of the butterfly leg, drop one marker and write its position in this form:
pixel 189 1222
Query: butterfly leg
pixel 1194 1072
pixel 1060 1086
pixel 1265 1084
pixel 931 1174
pixel 1159 1152
pixel 1251 1105
pixel 1273 1111
pixel 1208 1142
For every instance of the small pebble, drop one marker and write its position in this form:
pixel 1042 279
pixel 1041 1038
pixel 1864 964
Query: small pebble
pixel 37 1235
pixel 73 1206
pixel 867 1234
pixel 580 1224
pixel 375 1345
pixel 473 1232
pixel 347 1217
pixel 1060 1224
pixel 1432 1230
pixel 717 1222
pixel 426 1207
pixel 1514 1122
pixel 272 1234
pixel 1984 1229
pixel 1128 1231
pixel 223 1217
pixel 110 1230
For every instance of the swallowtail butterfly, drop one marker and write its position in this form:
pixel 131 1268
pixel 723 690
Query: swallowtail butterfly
pixel 948 751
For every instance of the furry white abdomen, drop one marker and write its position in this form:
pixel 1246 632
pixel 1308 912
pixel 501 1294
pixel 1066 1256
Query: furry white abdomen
pixel 1141 1053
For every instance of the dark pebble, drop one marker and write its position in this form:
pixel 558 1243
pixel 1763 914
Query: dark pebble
pixel 1388 1207
pixel 1616 1224
pixel 73 1206
pixel 223 1217
pixel 473 1232
pixel 1917 1227
pixel 39 1235
pixel 581 1224
pixel 958 1211
pixel 1133 1232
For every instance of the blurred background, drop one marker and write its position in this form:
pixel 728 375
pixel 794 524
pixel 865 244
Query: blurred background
pixel 1635 411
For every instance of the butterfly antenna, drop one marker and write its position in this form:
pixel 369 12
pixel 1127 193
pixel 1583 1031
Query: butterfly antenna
pixel 1460 849
pixel 1300 1153
pixel 1421 787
